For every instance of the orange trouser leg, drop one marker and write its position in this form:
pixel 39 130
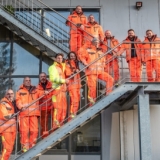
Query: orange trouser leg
pixel 74 100
pixel 149 70
pixel 44 121
pixel 156 65
pixel 8 139
pixel 75 42
pixel 92 82
pixel 135 68
pixel 24 131
pixel 109 81
pixel 33 126
pixel 112 66
pixel 60 108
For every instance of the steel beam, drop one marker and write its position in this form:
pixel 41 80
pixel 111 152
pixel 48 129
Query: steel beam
pixel 144 126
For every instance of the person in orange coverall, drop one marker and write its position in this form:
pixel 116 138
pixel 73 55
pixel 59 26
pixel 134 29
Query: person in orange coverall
pixel 133 55
pixel 112 65
pixel 96 70
pixel 8 128
pixel 74 83
pixel 59 81
pixel 28 115
pixel 45 103
pixel 94 29
pixel 151 56
pixel 76 31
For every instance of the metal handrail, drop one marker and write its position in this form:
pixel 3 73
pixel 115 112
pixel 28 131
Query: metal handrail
pixel 68 79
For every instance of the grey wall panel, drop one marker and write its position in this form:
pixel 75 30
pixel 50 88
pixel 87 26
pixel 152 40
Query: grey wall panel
pixel 85 157
pixel 110 134
pixel 155 130
pixel 51 157
pixel 115 17
pixel 146 18
pixel 85 2
pixel 56 3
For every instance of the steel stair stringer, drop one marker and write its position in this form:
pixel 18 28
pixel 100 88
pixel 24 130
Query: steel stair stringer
pixel 75 123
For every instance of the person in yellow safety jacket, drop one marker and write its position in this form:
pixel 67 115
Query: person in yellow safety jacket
pixel 94 29
pixel 57 77
pixel 7 124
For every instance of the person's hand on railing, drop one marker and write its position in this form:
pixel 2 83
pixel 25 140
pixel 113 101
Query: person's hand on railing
pixel 77 70
pixel 46 92
pixel 67 81
pixel 24 107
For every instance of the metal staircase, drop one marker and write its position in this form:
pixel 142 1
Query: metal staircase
pixel 77 122
pixel 36 25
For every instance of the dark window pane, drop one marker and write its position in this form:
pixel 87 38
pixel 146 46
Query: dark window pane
pixel 26 61
pixel 87 138
pixel 46 62
pixel 4 85
pixel 4 58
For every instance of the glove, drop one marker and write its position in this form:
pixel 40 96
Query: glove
pixel 78 25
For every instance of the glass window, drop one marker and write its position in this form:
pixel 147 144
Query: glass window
pixel 46 62
pixel 94 12
pixel 4 58
pixel 4 85
pixel 30 18
pixel 17 82
pixel 25 59
pixel 54 26
pixel 87 138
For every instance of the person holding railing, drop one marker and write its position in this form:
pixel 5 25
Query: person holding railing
pixel 133 47
pixel 76 22
pixel 45 103
pixel 59 81
pixel 94 29
pixel 7 124
pixel 29 113
pixel 151 55
pixel 74 83
pixel 112 65
pixel 95 71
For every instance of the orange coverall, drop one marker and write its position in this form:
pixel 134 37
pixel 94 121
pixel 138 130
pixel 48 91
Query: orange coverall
pixel 29 116
pixel 73 86
pixel 151 55
pixel 134 63
pixel 111 65
pixel 95 71
pixel 8 129
pixel 57 77
pixel 76 34
pixel 46 107
pixel 95 30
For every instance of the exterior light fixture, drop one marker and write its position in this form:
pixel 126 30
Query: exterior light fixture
pixel 138 5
